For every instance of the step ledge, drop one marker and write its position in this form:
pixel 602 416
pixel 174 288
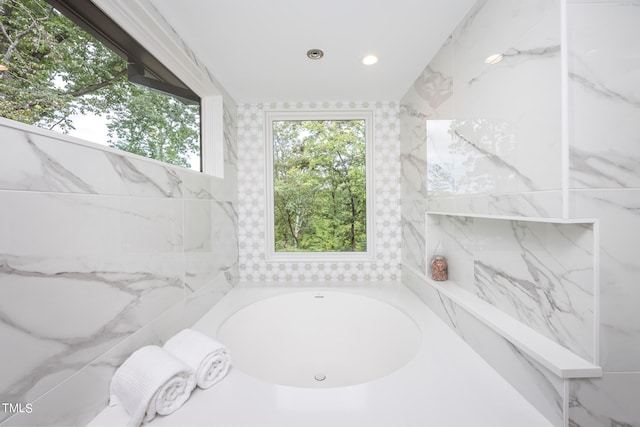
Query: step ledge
pixel 556 358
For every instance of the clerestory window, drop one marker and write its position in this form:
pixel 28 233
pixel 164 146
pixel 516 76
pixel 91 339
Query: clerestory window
pixel 66 66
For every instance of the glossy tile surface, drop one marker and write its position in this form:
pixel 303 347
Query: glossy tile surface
pixel 604 94
pixel 494 142
pixel 95 247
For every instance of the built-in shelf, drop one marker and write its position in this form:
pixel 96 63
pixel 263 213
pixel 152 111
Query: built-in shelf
pixel 519 218
pixel 556 358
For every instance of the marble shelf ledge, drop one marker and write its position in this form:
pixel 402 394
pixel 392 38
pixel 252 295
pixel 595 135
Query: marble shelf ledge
pixel 519 218
pixel 559 360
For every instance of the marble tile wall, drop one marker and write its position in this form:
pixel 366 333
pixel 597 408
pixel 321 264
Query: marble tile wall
pixel 541 274
pixel 488 140
pixel 499 121
pixel 100 252
pixel 604 127
pixel 251 181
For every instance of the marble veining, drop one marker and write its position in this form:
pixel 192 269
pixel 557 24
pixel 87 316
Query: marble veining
pixel 133 175
pixel 49 291
pixel 542 275
pixel 607 401
pixel 51 164
pixel 52 169
pixel 619 215
pixel 544 278
pixel 87 225
pixel 604 95
pixel 539 386
pixel 472 138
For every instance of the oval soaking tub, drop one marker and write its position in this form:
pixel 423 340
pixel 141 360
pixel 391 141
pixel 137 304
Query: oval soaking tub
pixel 320 339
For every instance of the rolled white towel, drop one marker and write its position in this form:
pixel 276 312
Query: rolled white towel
pixel 151 381
pixel 208 358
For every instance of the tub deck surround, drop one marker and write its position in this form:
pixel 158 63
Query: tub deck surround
pixel 444 376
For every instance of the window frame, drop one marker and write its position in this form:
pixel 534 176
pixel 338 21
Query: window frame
pixel 320 115
pixel 169 66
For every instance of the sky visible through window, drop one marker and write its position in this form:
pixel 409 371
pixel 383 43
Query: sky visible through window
pixel 56 76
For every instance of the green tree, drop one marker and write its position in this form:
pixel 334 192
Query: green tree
pixel 167 132
pixel 52 71
pixel 319 185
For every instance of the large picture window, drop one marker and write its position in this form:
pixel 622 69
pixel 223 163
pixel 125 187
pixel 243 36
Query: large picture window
pixel 317 174
pixel 65 66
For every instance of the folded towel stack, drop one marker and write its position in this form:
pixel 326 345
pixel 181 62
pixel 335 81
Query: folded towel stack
pixel 156 380
pixel 151 381
pixel 208 358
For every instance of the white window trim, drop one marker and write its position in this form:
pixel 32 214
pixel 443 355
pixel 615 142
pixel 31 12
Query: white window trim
pixel 270 253
pixel 145 24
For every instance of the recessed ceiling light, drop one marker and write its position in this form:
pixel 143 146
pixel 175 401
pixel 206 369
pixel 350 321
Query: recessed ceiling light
pixel 494 59
pixel 315 54
pixel 369 60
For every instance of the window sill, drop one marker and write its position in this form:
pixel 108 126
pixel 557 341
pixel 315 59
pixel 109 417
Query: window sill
pixel 320 257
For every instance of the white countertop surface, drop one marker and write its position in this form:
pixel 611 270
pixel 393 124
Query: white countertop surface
pixel 446 385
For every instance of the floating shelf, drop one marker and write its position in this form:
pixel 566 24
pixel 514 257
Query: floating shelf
pixel 519 218
pixel 556 358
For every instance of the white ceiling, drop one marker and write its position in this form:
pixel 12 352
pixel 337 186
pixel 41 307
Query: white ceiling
pixel 257 48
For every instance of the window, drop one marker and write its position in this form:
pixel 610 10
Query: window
pixel 318 197
pixel 73 70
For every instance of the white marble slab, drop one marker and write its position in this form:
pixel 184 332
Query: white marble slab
pixel 541 274
pixel 617 211
pixel 84 225
pixel 608 401
pixel 604 94
pixel 77 399
pixel 34 162
pixel 507 115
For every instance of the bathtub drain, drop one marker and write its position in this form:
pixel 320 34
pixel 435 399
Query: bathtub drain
pixel 320 377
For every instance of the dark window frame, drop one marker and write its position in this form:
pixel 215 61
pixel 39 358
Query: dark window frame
pixel 143 68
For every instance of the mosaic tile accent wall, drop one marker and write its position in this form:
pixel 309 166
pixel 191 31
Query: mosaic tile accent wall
pixel 251 208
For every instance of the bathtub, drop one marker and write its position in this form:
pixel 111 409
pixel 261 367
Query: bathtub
pixel 318 338
pixel 341 356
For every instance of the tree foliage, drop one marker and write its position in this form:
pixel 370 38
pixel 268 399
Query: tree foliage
pixel 53 71
pixel 319 185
